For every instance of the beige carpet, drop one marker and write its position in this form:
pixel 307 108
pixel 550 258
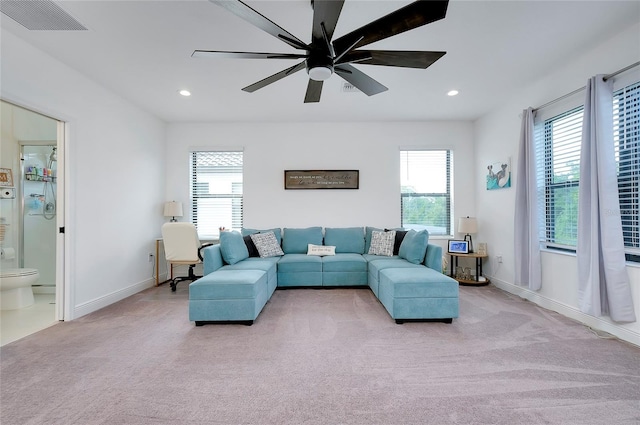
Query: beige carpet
pixel 320 357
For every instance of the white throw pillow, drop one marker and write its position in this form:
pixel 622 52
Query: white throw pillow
pixel 267 244
pixel 382 243
pixel 321 250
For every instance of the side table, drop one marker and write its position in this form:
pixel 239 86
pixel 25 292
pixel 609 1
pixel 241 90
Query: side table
pixel 478 279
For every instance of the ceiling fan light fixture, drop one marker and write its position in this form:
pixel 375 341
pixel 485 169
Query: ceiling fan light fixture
pixel 320 73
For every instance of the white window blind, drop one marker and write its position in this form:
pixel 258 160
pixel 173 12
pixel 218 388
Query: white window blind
pixel 216 191
pixel 558 141
pixel 558 153
pixel 425 192
pixel 626 138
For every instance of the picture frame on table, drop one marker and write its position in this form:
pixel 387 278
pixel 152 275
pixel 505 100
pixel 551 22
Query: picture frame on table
pixel 458 247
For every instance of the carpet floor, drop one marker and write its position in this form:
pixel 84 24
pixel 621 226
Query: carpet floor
pixel 320 357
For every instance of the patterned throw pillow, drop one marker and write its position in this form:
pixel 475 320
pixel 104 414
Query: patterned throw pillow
pixel 267 244
pixel 382 243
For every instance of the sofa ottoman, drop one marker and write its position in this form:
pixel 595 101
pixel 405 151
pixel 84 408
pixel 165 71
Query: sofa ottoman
pixel 228 296
pixel 418 293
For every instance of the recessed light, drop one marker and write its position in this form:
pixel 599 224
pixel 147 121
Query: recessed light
pixel 452 93
pixel 185 92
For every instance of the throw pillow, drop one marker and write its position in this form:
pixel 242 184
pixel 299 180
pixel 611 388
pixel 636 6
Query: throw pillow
pixel 400 234
pixel 382 243
pixel 321 250
pixel 267 244
pixel 232 247
pixel 251 247
pixel 414 246
pixel 247 232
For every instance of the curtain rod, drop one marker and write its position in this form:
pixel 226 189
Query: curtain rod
pixel 606 77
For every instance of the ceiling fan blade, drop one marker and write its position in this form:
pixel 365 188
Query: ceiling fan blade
pixel 255 18
pixel 273 78
pixel 405 59
pixel 412 16
pixel 362 81
pixel 314 90
pixel 325 12
pixel 244 55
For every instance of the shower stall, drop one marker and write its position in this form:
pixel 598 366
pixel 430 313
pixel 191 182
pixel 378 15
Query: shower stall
pixel 39 209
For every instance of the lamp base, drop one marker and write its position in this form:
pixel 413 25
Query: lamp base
pixel 467 238
pixel 173 220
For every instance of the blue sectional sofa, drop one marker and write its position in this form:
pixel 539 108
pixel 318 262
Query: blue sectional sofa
pixel 243 271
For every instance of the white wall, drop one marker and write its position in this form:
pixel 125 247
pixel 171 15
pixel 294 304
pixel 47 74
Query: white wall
pixel 115 175
pixel 497 136
pixel 371 148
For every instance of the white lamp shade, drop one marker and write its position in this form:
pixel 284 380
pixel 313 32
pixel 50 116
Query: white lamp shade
pixel 467 225
pixel 173 209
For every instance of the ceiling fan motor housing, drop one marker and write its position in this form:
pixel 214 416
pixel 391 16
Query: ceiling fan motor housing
pixel 319 65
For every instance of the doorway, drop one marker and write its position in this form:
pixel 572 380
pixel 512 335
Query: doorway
pixel 32 147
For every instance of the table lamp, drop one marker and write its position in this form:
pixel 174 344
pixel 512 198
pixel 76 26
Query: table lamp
pixel 468 225
pixel 173 209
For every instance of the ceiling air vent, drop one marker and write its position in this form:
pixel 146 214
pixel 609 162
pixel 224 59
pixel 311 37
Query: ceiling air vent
pixel 349 88
pixel 40 15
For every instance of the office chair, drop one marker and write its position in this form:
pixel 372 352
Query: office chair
pixel 182 247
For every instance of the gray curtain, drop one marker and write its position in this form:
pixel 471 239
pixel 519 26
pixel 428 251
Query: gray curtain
pixel 528 269
pixel 603 282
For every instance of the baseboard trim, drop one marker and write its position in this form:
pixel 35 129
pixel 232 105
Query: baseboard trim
pixel 104 301
pixel 593 322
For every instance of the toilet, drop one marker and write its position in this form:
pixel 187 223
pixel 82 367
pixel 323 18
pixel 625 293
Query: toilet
pixel 15 288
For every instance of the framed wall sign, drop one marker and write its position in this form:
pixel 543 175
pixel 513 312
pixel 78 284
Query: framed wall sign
pixel 458 247
pixel 6 177
pixel 321 179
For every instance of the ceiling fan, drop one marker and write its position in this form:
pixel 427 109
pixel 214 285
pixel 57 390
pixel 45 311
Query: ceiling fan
pixel 322 57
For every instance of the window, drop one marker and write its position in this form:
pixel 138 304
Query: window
pixel 558 141
pixel 216 191
pixel 425 190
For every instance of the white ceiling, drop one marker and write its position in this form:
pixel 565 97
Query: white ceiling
pixel 142 51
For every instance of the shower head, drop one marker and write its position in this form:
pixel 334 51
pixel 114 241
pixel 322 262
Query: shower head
pixel 54 155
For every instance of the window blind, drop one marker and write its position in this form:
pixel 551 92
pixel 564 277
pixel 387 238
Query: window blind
pixel 216 191
pixel 558 141
pixel 425 190
pixel 558 153
pixel 626 137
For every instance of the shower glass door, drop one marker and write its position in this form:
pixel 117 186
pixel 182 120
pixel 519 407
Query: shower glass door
pixel 39 192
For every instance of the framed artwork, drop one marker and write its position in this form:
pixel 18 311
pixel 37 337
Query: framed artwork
pixel 458 247
pixel 6 177
pixel 321 179
pixel 482 248
pixel 499 174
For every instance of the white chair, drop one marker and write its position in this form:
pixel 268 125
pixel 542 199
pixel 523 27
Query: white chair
pixel 182 247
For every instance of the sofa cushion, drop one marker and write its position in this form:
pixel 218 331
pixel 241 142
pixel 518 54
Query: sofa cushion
pixel 228 284
pixel 296 241
pixel 232 247
pixel 344 263
pixel 382 243
pixel 345 239
pixel 321 250
pixel 266 244
pixel 420 282
pixel 389 263
pixel 296 263
pixel 276 231
pixel 414 246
